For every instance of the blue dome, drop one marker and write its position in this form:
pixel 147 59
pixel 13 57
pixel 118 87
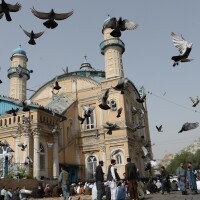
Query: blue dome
pixel 19 50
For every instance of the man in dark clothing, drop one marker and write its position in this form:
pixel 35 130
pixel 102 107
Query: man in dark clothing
pixel 131 177
pixel 99 180
pixel 165 180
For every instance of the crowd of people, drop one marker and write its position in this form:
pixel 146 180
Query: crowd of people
pixel 114 188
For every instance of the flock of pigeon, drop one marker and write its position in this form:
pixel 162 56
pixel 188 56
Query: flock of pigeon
pixel 184 47
pixel 50 23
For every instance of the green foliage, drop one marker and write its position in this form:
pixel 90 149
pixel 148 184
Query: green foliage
pixel 184 157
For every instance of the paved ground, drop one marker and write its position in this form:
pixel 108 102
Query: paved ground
pixel 175 195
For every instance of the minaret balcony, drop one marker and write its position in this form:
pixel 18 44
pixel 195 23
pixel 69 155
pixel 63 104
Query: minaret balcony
pixel 112 42
pixel 12 72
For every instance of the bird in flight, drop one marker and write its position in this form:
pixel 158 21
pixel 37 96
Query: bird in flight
pixel 141 99
pixel 13 111
pixel 111 127
pixel 195 101
pixel 32 35
pixel 82 119
pixel 23 147
pixel 188 126
pixel 145 152
pixel 119 25
pixel 51 17
pixel 88 111
pixel 6 8
pixel 184 48
pixel 104 99
pixel 119 112
pixel 159 128
pixel 122 85
pixel 57 86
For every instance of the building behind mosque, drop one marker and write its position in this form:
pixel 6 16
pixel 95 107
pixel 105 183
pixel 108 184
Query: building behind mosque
pixel 47 133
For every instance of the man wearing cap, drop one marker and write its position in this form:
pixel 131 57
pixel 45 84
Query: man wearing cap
pixel 99 180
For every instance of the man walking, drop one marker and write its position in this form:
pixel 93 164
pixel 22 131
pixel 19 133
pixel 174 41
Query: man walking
pixel 112 179
pixel 191 176
pixel 99 180
pixel 63 181
pixel 181 173
pixel 131 177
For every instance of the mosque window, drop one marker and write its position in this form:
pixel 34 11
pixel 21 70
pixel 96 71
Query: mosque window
pixel 1 122
pixel 9 120
pixel 18 119
pixel 5 122
pixel 42 157
pixel 113 105
pixel 90 121
pixel 43 119
pixel 91 166
pixel 118 159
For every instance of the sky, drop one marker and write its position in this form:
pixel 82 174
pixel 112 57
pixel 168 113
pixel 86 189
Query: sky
pixel 146 60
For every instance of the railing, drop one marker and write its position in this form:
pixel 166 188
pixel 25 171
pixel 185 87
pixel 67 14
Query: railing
pixel 13 70
pixel 112 42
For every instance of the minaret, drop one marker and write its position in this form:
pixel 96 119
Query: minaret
pixel 18 74
pixel 112 49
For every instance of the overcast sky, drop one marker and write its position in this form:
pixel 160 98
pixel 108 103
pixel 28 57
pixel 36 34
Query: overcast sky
pixel 147 58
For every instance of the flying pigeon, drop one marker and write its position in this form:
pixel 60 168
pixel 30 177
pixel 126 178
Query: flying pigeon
pixel 188 126
pixel 150 164
pixel 104 99
pixel 122 85
pixel 88 110
pixel 32 36
pixel 159 128
pixel 195 101
pixel 147 145
pixel 51 17
pixel 12 111
pixel 111 127
pixel 57 86
pixel 1 81
pixel 49 145
pixel 145 151
pixel 183 46
pixel 119 25
pixel 23 147
pixel 81 119
pixel 28 160
pixel 25 105
pixel 141 99
pixel 7 8
pixel 119 112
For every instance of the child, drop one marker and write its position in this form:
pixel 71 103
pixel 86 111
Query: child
pixel 120 194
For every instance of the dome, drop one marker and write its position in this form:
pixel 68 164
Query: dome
pixel 85 66
pixel 19 50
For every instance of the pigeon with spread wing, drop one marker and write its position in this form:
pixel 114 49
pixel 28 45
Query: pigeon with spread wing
pixel 111 127
pixel 6 8
pixel 121 85
pixel 119 112
pixel 32 36
pixel 195 101
pixel 184 48
pixel 12 111
pixel 51 17
pixel 189 126
pixel 159 128
pixel 104 104
pixel 119 25
pixel 88 111
pixel 23 147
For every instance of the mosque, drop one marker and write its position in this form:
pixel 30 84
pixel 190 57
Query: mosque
pixel 43 132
